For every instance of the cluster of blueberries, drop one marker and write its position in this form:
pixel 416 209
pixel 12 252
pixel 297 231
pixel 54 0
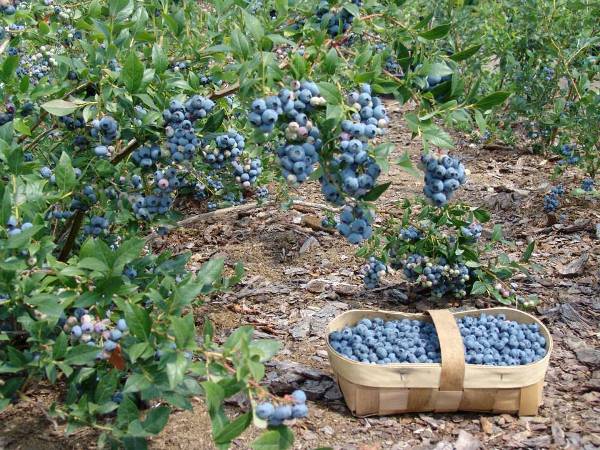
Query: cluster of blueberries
pixel 130 272
pixel 391 63
pixel 297 161
pixel 97 226
pixel 247 173
pixel 548 73
pixel 140 113
pixel 276 415
pixel 494 340
pixel 472 232
pixel 136 181
pixel 7 8
pixel 302 98
pixel 145 207
pixel 355 223
pixel 84 328
pixel 369 111
pixel 58 214
pixel 569 153
pixel 337 22
pixel 214 184
pixel 90 194
pixel 262 193
pixel 114 65
pixel 6 117
pixel 373 271
pixel 146 156
pixel 72 123
pixel 487 339
pixel 358 170
pixel 167 180
pixel 182 141
pixel 228 147
pixel 436 274
pixel 443 175
pixel 107 129
pixel 410 234
pixel 13 227
pixel 83 203
pixel 552 199
pixel 179 66
pixel 587 185
pixel 81 142
pixel 330 190
pixel 36 66
pixel 375 341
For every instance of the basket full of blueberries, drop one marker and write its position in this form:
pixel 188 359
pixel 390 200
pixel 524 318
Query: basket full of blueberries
pixel 380 355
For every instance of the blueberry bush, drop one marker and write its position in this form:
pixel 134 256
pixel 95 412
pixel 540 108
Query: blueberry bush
pixel 114 109
pixel 546 55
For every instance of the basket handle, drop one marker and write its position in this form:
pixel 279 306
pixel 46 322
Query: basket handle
pixel 451 345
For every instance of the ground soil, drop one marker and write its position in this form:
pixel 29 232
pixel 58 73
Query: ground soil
pixel 280 296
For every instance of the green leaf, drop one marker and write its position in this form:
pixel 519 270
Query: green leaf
pixel 481 215
pixel 136 382
pixel 156 419
pixel 233 429
pixel 465 54
pixel 265 349
pixel 176 370
pixel 434 135
pixel 6 206
pixel 480 120
pixel 132 72
pixel 214 121
pixel 376 192
pixel 65 174
pixel 497 233
pixel 125 10
pixel 239 43
pixel 60 107
pixel 139 322
pixel 106 387
pixel 352 9
pixel 81 354
pixel 253 26
pixel 159 59
pixel 137 350
pixel 135 443
pixel 49 304
pixel 478 288
pixel 408 166
pixel 127 252
pixel 93 264
pixel 238 339
pixel 331 61
pixel 8 68
pixel 436 33
pixel 330 92
pixel 214 396
pixel 184 330
pixel 491 100
pixel 60 346
pixel 280 438
pixel 528 252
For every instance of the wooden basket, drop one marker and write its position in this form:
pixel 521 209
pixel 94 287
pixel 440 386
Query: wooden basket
pixel 380 389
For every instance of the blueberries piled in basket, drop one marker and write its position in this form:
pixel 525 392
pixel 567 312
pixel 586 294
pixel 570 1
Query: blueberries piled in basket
pixel 487 339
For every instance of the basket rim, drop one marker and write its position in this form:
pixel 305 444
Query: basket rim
pixel 544 361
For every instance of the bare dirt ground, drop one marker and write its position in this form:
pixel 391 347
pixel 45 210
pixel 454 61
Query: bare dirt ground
pixel 298 278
